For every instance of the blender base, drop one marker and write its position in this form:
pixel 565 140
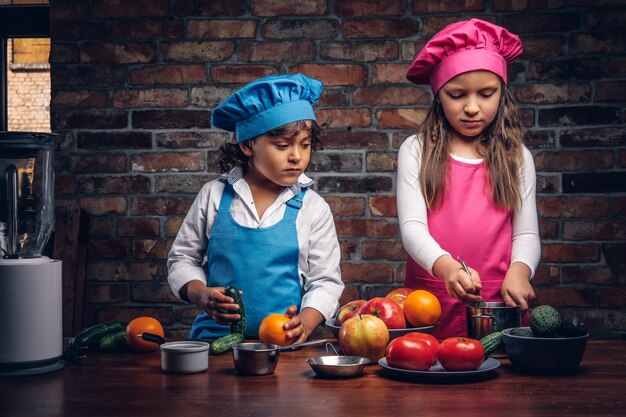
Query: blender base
pixel 44 369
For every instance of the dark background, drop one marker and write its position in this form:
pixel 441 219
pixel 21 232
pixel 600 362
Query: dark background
pixel 134 82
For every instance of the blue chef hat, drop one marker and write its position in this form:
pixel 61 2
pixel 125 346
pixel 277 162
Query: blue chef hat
pixel 266 104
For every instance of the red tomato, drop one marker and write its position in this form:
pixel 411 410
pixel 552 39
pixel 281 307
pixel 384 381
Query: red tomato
pixel 460 354
pixel 430 340
pixel 409 353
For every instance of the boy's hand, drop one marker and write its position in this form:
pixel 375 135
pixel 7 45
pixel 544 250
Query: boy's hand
pixel 213 301
pixel 302 325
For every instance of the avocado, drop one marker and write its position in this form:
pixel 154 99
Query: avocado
pixel 522 331
pixel 572 327
pixel 545 321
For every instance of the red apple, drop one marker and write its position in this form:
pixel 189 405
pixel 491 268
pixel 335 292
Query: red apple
pixel 349 310
pixel 399 295
pixel 387 310
pixel 364 335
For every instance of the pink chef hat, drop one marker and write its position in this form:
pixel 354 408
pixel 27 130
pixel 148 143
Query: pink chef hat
pixel 461 47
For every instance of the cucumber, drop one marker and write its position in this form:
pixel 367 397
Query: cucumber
pixel 225 343
pixel 240 325
pixel 492 342
pixel 113 341
pixel 91 336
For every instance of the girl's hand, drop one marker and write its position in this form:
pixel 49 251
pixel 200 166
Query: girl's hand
pixel 213 301
pixel 516 288
pixel 302 325
pixel 458 284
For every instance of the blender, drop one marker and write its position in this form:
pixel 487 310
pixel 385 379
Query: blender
pixel 31 317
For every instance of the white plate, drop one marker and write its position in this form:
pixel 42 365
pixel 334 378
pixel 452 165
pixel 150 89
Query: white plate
pixel 437 371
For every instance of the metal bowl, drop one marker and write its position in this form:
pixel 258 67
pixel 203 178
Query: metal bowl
pixel 393 333
pixel 338 366
pixel 255 358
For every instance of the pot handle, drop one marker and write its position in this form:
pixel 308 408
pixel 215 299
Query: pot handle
pixel 484 316
pixel 151 337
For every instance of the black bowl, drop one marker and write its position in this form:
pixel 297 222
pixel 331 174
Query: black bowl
pixel 545 354
pixel 393 333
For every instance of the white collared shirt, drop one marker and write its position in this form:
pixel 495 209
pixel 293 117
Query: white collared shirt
pixel 319 248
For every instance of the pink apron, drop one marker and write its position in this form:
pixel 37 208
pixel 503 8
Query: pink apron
pixel 468 224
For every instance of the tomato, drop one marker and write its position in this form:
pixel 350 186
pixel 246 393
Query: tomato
pixel 430 340
pixel 460 354
pixel 409 353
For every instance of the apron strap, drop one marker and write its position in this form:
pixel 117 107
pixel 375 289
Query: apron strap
pixel 294 204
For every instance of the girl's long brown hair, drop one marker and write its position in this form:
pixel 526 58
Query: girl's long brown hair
pixel 500 144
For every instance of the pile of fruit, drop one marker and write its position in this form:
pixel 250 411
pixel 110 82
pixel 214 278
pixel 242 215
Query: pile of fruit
pixel 546 321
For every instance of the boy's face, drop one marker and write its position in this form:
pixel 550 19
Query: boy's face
pixel 470 102
pixel 279 159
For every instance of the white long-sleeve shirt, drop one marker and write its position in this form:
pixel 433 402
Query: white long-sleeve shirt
pixel 319 248
pixel 413 219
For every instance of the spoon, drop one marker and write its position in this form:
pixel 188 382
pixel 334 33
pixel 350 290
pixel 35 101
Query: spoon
pixel 297 345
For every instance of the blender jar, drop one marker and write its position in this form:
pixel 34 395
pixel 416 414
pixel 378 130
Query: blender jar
pixel 26 193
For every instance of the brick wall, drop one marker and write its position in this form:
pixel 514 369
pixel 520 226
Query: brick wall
pixel 133 85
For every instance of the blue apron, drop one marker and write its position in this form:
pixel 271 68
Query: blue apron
pixel 261 262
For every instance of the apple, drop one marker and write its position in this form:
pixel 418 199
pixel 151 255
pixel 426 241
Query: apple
pixel 364 335
pixel 399 295
pixel 387 310
pixel 349 310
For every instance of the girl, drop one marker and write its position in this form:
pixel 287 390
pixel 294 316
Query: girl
pixel 466 183
pixel 259 227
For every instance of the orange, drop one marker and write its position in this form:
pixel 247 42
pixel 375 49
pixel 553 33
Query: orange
pixel 140 325
pixel 422 308
pixel 271 330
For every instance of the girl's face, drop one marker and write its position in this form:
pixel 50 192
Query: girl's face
pixel 279 159
pixel 470 102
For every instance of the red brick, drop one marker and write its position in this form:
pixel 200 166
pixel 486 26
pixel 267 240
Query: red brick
pixel 515 5
pixel 172 226
pixel 390 73
pixel 594 230
pixel 92 76
pixel 572 207
pixel 460 6
pixel 360 51
pixel 607 319
pixel 590 43
pixel 593 137
pixel 114 140
pixel 198 51
pixel 350 292
pixel 107 248
pixel 355 117
pixel 191 139
pixel 366 272
pixel 106 293
pixel 64 53
pixel 149 249
pixel 171 119
pixel 366 228
pixel 605 19
pixel 385 250
pixel 209 96
pixel 337 162
pixel 400 118
pixel 150 293
pixel 101 226
pixel 69 9
pixel 379 28
pixel 370 8
pixel 573 161
pixel 346 206
pixel 561 21
pixel 401 273
pixel 548 229
pixel 275 51
pixel 356 140
pixel 239 74
pixel 168 161
pixel 159 206
pixel 434 24
pixel 619 207
pixel 390 96
pixel 186 8
pixel 112 53
pixel 115 185
pixel 543 46
pixel 612 298
pixel 103 205
pixel 548 183
pixel 168 74
pixel 381 161
pixel 105 9
pixel 148 30
pixel 594 275
pixel 84 163
pixel 133 227
pixel 221 29
pixel 546 275
pixel 616 67
pixel 334 98
pixel 78 31
pixel 566 297
pixel 383 205
pixel 337 74
pixel 283 8
pixel 540 139
pixel 122 271
pixel 181 183
pixel 612 91
pixel 349 249
pixel 65 185
pixel 125 314
pixel 152 97
pixel 570 252
pixel 300 28
pixel 553 93
pixel 105 119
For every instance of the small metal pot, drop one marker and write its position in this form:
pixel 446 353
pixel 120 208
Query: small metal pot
pixel 486 318
pixel 183 357
pixel 261 358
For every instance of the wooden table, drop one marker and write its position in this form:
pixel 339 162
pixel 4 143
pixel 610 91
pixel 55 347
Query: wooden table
pixel 132 384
